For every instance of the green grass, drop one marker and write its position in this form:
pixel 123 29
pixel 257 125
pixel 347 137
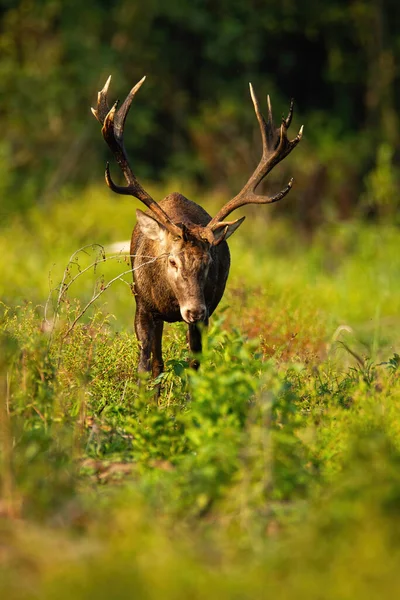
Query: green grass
pixel 273 471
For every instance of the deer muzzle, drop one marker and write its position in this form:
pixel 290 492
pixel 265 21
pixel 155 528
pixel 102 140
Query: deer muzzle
pixel 194 313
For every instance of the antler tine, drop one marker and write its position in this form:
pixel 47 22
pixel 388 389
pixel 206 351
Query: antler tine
pixel 271 129
pixel 264 129
pixel 288 119
pixel 267 128
pixel 276 146
pixel 102 109
pixel 113 122
pixel 120 117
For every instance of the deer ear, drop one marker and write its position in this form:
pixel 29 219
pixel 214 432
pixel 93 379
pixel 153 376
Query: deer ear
pixel 150 228
pixel 225 229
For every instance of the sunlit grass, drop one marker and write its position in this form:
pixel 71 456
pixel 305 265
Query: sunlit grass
pixel 274 470
pixel 347 272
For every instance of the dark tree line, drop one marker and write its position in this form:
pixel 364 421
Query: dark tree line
pixel 193 118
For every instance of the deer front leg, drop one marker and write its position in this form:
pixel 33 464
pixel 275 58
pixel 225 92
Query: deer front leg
pixel 157 359
pixel 194 342
pixel 157 363
pixel 149 335
pixel 145 328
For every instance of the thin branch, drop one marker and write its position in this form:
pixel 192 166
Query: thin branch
pixel 96 296
pixel 63 285
pixel 71 261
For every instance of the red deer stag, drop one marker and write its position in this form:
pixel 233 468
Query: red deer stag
pixel 188 280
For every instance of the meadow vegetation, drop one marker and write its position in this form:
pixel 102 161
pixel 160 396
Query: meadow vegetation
pixel 273 470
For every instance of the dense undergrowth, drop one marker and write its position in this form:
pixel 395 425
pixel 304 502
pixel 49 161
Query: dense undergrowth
pixel 273 470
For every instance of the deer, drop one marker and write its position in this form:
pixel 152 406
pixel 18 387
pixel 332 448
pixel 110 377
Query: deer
pixel 187 278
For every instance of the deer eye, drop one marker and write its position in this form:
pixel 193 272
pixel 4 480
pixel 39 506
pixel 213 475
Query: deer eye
pixel 172 263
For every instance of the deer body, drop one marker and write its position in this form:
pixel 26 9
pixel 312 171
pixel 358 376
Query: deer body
pixel 180 258
pixel 205 272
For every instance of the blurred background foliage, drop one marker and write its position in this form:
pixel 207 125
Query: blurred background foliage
pixel 193 120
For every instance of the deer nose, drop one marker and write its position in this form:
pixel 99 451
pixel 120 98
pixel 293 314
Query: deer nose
pixel 194 313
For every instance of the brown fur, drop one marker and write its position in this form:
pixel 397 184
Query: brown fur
pixel 156 300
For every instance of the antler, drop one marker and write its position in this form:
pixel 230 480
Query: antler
pixel 113 123
pixel 275 147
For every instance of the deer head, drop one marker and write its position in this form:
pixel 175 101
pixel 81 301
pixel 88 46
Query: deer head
pixel 186 265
